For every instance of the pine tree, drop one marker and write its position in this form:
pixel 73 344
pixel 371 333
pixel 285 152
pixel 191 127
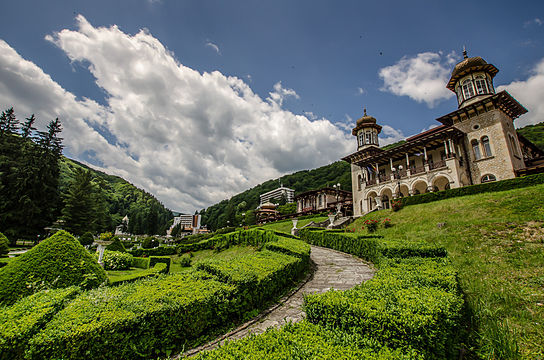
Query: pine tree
pixel 80 204
pixel 27 129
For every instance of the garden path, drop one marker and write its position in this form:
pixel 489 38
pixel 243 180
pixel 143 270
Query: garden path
pixel 333 269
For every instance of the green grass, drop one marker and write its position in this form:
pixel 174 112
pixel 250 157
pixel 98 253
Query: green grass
pixel 114 275
pixel 496 241
pixel 286 225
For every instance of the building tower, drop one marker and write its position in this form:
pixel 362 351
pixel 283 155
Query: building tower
pixel 366 132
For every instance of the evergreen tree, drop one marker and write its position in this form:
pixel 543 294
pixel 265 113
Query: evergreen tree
pixel 80 204
pixel 27 129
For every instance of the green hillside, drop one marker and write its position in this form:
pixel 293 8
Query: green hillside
pixel 496 241
pixel 534 133
pixel 147 215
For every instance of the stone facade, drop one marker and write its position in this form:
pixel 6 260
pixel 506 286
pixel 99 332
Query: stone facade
pixel 475 143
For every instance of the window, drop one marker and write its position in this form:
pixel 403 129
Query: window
pixel 468 89
pixel 476 149
pixel 368 137
pixel 513 143
pixel 488 178
pixel 459 95
pixel 481 85
pixel 359 182
pixel 375 137
pixel 487 147
pixel 361 138
pixel 320 200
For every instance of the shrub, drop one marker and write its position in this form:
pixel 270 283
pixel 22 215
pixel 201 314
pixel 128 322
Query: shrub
pixel 371 225
pixel 138 320
pixel 291 247
pixel 4 245
pixel 57 262
pixel 305 341
pixel 117 260
pixel 396 205
pixel 158 269
pixel 19 322
pixel 502 185
pixel 150 242
pixel 106 236
pixel 185 260
pixel 86 239
pixel 390 248
pixel 158 251
pixel 142 263
pixel 387 223
pixel 160 259
pixel 116 245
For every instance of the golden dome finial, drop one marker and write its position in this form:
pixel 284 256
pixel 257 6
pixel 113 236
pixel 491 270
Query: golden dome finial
pixel 364 111
pixel 465 52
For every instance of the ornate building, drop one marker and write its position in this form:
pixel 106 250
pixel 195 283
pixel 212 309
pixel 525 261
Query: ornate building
pixel 474 144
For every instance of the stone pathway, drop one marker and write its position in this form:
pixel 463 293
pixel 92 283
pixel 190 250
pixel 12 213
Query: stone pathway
pixel 333 269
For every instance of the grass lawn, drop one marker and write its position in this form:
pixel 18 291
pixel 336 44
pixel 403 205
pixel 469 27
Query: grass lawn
pixel 496 240
pixel 113 275
pixel 286 225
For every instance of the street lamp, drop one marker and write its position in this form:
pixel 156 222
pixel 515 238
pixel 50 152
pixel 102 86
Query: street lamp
pixel 397 176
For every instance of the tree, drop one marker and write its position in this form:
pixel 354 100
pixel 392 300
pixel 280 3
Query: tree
pixel 86 239
pixel 4 245
pixel 80 204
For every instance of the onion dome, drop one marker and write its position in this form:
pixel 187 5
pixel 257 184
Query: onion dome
pixel 366 121
pixel 268 205
pixel 468 65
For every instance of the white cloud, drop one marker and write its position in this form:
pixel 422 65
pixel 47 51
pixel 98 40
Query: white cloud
pixel 530 93
pixel 423 78
pixel 535 21
pixel 190 138
pixel 360 91
pixel 390 135
pixel 213 46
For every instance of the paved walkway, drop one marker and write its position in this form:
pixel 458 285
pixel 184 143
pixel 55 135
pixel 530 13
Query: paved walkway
pixel 333 269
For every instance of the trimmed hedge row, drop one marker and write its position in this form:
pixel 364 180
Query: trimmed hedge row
pixel 254 237
pixel 141 263
pixel 18 323
pixel 413 304
pixel 258 277
pixel 159 268
pixel 291 247
pixel 502 185
pixel 305 341
pixel 158 251
pixel 161 259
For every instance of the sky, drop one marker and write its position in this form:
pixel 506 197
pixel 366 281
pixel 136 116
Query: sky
pixel 196 101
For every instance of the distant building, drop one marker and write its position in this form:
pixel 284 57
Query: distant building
pixel 122 228
pixel 267 212
pixel 189 223
pixel 474 144
pixel 325 199
pixel 277 194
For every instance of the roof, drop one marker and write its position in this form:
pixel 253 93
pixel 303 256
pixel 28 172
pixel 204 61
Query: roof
pixel 365 122
pixel 469 65
pixel 325 189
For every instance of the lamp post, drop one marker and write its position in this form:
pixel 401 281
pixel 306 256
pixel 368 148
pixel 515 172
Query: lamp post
pixel 397 176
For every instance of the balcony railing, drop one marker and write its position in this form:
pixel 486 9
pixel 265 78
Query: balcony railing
pixel 371 181
pixel 384 178
pixel 417 170
pixel 437 165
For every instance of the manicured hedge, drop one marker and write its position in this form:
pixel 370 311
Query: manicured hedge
pixel 135 321
pixel 412 304
pixel 116 245
pixel 291 247
pixel 158 251
pixel 254 237
pixel 161 259
pixel 141 263
pixel 4 245
pixel 117 260
pixel 159 268
pixel 502 185
pixel 304 341
pixel 391 248
pixel 58 261
pixel 19 322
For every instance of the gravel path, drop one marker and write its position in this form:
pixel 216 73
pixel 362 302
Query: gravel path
pixel 333 269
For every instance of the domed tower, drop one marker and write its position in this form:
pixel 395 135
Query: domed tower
pixel 472 80
pixel 366 132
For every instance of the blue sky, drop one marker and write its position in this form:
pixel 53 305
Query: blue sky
pixel 198 100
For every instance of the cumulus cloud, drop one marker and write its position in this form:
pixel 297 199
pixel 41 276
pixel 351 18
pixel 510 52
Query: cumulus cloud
pixel 423 77
pixel 213 46
pixel 390 135
pixel 190 138
pixel 529 93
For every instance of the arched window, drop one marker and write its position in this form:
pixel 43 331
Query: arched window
pixel 476 149
pixel 481 85
pixel 375 137
pixel 487 146
pixel 513 143
pixel 385 202
pixel 359 182
pixel 459 95
pixel 488 178
pixel 468 89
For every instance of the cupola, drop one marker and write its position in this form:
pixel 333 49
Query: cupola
pixel 366 130
pixel 472 79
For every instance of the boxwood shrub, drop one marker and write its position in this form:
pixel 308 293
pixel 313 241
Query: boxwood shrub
pixel 116 245
pixel 19 322
pixel 117 260
pixel 160 259
pixel 139 262
pixel 158 251
pixel 4 245
pixel 502 185
pixel 58 261
pixel 291 247
pixel 305 341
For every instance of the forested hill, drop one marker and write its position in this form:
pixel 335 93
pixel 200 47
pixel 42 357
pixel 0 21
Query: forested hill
pixel 147 215
pixel 534 133
pixel 216 216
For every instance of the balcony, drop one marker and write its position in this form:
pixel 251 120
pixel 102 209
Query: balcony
pixel 437 165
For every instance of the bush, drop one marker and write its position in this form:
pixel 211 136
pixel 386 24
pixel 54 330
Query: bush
pixel 86 239
pixel 138 320
pixel 185 260
pixel 415 303
pixel 4 245
pixel 19 322
pixel 117 260
pixel 396 205
pixel 150 242
pixel 291 247
pixel 371 225
pixel 158 251
pixel 305 341
pixel 502 185
pixel 57 262
pixel 404 249
pixel 138 262
pixel 116 245
pixel 160 259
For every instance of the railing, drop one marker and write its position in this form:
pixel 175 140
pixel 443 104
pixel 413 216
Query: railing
pixel 417 170
pixel 384 178
pixel 436 165
pixel 371 182
pixel 309 208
